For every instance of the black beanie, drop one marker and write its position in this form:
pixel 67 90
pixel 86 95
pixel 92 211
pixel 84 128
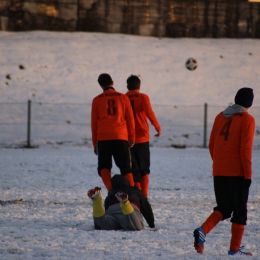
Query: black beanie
pixel 244 97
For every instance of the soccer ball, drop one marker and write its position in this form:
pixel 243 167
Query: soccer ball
pixel 191 64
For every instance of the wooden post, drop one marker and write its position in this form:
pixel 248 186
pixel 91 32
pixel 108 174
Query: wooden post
pixel 29 124
pixel 205 125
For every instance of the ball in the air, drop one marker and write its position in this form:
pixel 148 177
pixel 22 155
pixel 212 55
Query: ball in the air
pixel 191 64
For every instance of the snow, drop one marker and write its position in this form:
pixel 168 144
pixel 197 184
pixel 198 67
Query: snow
pixel 44 209
pixel 63 67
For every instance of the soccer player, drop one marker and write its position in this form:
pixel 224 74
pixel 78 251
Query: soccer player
pixel 125 207
pixel 230 147
pixel 140 152
pixel 113 131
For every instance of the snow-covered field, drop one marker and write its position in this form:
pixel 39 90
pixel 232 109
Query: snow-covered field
pixel 45 212
pixel 44 209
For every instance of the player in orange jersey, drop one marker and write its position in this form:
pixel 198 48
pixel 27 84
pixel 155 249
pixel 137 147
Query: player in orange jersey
pixel 113 131
pixel 230 147
pixel 140 151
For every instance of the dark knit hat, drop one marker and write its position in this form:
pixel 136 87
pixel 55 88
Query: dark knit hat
pixel 105 80
pixel 244 97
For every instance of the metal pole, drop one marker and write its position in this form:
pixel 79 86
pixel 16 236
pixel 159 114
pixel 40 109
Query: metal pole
pixel 205 125
pixel 29 125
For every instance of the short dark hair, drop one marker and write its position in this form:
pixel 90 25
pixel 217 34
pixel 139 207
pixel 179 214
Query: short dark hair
pixel 104 80
pixel 133 82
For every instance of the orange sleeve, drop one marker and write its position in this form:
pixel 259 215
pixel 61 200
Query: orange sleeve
pixel 247 138
pixel 130 120
pixel 142 111
pixel 94 123
pixel 150 114
pixel 212 140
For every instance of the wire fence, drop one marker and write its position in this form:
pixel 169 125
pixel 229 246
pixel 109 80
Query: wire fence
pixel 33 124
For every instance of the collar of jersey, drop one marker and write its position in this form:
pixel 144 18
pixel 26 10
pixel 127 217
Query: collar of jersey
pixel 108 88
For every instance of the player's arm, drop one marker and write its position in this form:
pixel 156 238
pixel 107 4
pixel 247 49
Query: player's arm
pixel 94 125
pixel 130 121
pixel 247 138
pixel 212 138
pixel 151 115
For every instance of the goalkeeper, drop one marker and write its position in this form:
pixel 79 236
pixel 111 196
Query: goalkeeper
pixel 124 207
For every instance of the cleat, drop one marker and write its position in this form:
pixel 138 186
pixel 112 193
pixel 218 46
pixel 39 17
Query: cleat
pixel 199 239
pixel 121 196
pixel 94 193
pixel 239 252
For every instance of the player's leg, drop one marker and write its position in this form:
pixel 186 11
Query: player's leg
pixel 145 179
pixel 105 151
pixel 131 219
pixel 239 217
pixel 214 218
pixel 201 232
pixel 223 196
pixel 135 167
pixel 130 178
pixel 102 220
pixel 143 157
pixel 222 211
pixel 122 157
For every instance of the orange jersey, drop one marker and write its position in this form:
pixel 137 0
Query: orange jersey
pixel 231 144
pixel 142 110
pixel 112 117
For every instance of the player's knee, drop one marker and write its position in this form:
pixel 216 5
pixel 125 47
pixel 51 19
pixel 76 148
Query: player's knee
pixel 226 213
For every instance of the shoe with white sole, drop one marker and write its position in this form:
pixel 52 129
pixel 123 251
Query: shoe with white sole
pixel 199 239
pixel 239 252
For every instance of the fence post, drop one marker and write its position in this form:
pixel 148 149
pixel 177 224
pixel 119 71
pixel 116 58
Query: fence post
pixel 205 125
pixel 29 124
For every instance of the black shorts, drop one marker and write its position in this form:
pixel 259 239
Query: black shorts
pixel 140 153
pixel 231 197
pixel 117 149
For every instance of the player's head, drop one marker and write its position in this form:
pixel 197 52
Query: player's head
pixel 105 80
pixel 119 180
pixel 133 83
pixel 244 97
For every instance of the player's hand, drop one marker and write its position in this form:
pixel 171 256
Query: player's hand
pixel 158 134
pixel 247 183
pixel 95 151
pixel 131 143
